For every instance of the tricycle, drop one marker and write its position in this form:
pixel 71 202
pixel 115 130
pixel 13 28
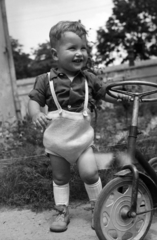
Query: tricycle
pixel 125 206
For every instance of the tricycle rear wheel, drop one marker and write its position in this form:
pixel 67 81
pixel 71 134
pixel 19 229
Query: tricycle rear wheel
pixel 153 163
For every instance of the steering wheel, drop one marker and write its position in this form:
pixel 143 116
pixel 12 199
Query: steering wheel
pixel 112 87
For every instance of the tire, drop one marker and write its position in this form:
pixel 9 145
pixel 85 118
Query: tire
pixel 114 199
pixel 153 163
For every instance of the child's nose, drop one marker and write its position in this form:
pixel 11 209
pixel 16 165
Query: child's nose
pixel 78 53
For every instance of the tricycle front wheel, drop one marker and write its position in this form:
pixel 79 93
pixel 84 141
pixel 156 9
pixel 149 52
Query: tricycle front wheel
pixel 110 219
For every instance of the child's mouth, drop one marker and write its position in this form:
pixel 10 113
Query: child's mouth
pixel 78 60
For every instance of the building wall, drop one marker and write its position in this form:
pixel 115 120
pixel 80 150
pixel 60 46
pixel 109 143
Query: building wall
pixel 143 71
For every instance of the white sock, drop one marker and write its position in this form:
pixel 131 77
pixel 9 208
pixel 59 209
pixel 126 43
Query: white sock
pixel 61 194
pixel 93 190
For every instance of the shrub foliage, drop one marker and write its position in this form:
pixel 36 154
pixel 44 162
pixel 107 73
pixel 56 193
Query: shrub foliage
pixel 25 170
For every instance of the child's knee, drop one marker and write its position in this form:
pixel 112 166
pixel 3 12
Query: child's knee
pixel 89 177
pixel 61 179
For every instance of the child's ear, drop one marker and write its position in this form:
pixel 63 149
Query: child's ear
pixel 54 54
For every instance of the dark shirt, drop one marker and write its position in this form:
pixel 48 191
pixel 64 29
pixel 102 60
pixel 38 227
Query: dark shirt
pixel 70 94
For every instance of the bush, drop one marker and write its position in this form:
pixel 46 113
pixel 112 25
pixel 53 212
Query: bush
pixel 26 176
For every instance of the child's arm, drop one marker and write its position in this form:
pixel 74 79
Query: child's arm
pixel 119 96
pixel 39 118
pixel 99 90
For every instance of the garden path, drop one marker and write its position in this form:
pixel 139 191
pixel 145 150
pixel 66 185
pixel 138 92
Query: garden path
pixel 27 225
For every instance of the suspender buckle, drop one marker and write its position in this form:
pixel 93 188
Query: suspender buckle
pixel 60 111
pixel 85 114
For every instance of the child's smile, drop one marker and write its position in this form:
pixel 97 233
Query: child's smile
pixel 78 60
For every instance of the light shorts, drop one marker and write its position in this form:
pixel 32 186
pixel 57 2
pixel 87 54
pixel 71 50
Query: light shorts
pixel 68 135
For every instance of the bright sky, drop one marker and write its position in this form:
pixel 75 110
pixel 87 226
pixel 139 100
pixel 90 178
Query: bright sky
pixel 30 20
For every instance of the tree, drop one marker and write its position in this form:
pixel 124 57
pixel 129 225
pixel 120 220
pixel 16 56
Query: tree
pixel 21 60
pixel 131 31
pixel 43 61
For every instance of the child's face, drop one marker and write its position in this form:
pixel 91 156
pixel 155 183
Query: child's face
pixel 71 52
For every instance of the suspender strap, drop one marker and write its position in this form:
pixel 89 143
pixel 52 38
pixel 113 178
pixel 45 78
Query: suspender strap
pixel 56 100
pixel 54 94
pixel 85 113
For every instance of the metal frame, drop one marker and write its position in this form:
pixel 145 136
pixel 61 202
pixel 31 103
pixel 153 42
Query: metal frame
pixel 136 98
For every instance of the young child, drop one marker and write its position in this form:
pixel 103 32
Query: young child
pixel 69 92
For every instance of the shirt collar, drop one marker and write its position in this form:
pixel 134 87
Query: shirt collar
pixel 54 73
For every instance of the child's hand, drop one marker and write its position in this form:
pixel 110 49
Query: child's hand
pixel 123 97
pixel 41 120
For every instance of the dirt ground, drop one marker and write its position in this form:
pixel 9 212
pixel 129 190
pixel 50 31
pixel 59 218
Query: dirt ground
pixel 27 225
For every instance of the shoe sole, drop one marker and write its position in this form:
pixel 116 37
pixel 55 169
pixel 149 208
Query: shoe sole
pixel 60 230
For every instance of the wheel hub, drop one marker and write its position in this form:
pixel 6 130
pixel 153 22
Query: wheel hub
pixel 119 214
pixel 124 212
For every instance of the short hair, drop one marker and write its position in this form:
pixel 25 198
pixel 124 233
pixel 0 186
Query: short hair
pixel 57 30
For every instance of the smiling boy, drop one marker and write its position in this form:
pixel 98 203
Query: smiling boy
pixel 69 92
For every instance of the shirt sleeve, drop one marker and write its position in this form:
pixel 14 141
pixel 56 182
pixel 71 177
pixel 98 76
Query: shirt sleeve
pixel 39 90
pixel 98 86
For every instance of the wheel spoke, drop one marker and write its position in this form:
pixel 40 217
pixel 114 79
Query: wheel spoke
pixel 141 217
pixel 128 191
pixel 123 92
pixel 139 223
pixel 123 191
pixel 112 88
pixel 135 228
pixel 110 229
pixel 118 193
pixel 108 208
pixel 114 195
pixel 141 202
pixel 120 234
pixel 148 93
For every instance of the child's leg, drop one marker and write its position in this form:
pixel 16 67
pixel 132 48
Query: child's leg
pixel 89 174
pixel 61 176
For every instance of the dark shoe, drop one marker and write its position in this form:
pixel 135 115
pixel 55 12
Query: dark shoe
pixel 92 209
pixel 60 223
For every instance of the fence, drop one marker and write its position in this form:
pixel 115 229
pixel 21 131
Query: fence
pixel 142 71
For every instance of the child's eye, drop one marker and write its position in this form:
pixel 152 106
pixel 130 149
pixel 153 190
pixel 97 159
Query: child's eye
pixel 72 48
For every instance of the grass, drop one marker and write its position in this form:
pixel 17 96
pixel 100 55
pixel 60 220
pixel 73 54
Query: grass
pixel 26 181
